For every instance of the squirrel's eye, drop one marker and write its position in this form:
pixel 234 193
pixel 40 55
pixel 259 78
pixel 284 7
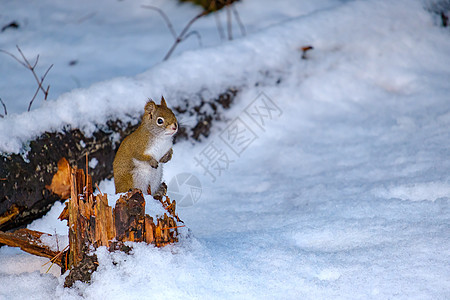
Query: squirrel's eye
pixel 160 121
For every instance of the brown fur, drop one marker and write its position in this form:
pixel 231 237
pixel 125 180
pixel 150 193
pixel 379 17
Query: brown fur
pixel 135 145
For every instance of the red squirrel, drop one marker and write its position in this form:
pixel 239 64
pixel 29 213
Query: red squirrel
pixel 138 161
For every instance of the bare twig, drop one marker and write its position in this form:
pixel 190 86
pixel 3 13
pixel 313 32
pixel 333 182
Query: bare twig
pixel 96 185
pixel 26 63
pixel 15 57
pixel 48 86
pixel 40 87
pixel 164 16
pixel 29 66
pixel 220 27
pixel 230 8
pixel 195 32
pixel 229 25
pixel 53 260
pixel 32 99
pixel 35 63
pixel 182 36
pixel 238 19
pixel 183 32
pixel 4 109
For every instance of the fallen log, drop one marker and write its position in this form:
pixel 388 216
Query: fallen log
pixel 25 178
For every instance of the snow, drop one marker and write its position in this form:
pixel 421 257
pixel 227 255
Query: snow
pixel 96 31
pixel 93 163
pixel 343 192
pixel 252 56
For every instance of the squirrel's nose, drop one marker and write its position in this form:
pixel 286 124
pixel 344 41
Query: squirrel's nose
pixel 174 126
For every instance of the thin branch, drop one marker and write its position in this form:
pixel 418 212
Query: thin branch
pixel 36 62
pixel 229 25
pixel 42 81
pixel 15 57
pixel 55 258
pixel 32 99
pixel 164 16
pixel 96 185
pixel 183 32
pixel 26 63
pixel 219 27
pixel 46 92
pixel 32 67
pixel 40 87
pixel 4 109
pixel 238 19
pixel 195 32
pixel 46 72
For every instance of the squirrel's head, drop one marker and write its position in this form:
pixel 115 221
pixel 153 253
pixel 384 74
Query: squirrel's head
pixel 159 119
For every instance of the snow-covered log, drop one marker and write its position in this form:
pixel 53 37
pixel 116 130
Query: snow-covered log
pixel 25 179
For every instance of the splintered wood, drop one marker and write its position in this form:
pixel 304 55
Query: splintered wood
pixel 93 223
pixel 29 241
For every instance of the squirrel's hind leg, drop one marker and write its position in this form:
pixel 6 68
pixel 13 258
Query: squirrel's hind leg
pixel 123 183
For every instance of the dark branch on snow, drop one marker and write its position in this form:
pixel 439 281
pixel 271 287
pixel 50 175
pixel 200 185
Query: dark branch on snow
pixel 26 64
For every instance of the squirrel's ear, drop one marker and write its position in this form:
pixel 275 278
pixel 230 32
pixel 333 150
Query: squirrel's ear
pixel 163 102
pixel 150 108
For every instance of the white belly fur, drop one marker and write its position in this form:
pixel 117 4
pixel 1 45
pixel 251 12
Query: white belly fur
pixel 144 174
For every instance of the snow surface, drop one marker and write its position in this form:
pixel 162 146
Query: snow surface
pixel 120 38
pixel 176 79
pixel 343 193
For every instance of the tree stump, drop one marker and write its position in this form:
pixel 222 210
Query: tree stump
pixel 93 223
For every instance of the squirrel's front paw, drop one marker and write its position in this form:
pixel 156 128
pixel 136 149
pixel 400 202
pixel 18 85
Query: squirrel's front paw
pixel 167 156
pixel 154 163
pixel 162 190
